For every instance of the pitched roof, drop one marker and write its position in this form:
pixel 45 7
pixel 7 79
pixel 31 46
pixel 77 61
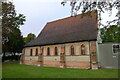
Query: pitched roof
pixel 77 28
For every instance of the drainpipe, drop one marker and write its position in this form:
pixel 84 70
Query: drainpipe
pixel 90 56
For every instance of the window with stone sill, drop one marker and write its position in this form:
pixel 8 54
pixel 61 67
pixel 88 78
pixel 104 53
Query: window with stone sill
pixel 56 51
pixel 72 51
pixel 48 51
pixel 36 52
pixel 83 49
pixel 30 52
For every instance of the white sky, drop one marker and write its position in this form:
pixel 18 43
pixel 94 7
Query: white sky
pixel 39 12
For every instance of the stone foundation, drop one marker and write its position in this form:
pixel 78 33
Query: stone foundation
pixel 77 64
pixel 28 62
pixel 51 63
pixel 68 64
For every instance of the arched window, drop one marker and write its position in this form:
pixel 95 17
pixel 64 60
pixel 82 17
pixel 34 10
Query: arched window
pixel 30 52
pixel 56 51
pixel 36 52
pixel 72 50
pixel 48 51
pixel 83 49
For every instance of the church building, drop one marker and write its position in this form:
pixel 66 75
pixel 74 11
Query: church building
pixel 66 43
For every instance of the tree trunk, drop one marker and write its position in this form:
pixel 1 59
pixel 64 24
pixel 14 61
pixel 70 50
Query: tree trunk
pixel 3 57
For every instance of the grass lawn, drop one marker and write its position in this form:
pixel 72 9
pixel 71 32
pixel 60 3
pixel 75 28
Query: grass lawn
pixel 16 70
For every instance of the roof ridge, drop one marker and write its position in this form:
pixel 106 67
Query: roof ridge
pixel 71 16
pixel 62 19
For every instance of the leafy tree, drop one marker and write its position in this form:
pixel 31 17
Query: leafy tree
pixel 100 5
pixel 16 41
pixel 12 41
pixel 110 34
pixel 29 37
pixel 10 19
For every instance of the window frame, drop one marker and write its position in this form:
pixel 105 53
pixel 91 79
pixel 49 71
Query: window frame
pixel 36 52
pixel 82 50
pixel 31 52
pixel 56 51
pixel 72 50
pixel 48 51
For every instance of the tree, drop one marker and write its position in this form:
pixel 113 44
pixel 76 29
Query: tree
pixel 10 19
pixel 29 38
pixel 100 5
pixel 16 41
pixel 110 34
pixel 12 41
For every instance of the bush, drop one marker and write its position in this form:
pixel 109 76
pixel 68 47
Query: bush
pixel 11 58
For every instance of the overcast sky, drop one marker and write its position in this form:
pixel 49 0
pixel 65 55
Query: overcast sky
pixel 39 12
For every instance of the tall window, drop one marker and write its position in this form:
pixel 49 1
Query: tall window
pixel 36 52
pixel 30 52
pixel 48 51
pixel 56 51
pixel 83 49
pixel 72 50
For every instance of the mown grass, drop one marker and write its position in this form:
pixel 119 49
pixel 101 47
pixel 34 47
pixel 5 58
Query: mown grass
pixel 16 70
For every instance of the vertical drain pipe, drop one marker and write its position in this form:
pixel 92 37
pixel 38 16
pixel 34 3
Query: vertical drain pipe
pixel 90 56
